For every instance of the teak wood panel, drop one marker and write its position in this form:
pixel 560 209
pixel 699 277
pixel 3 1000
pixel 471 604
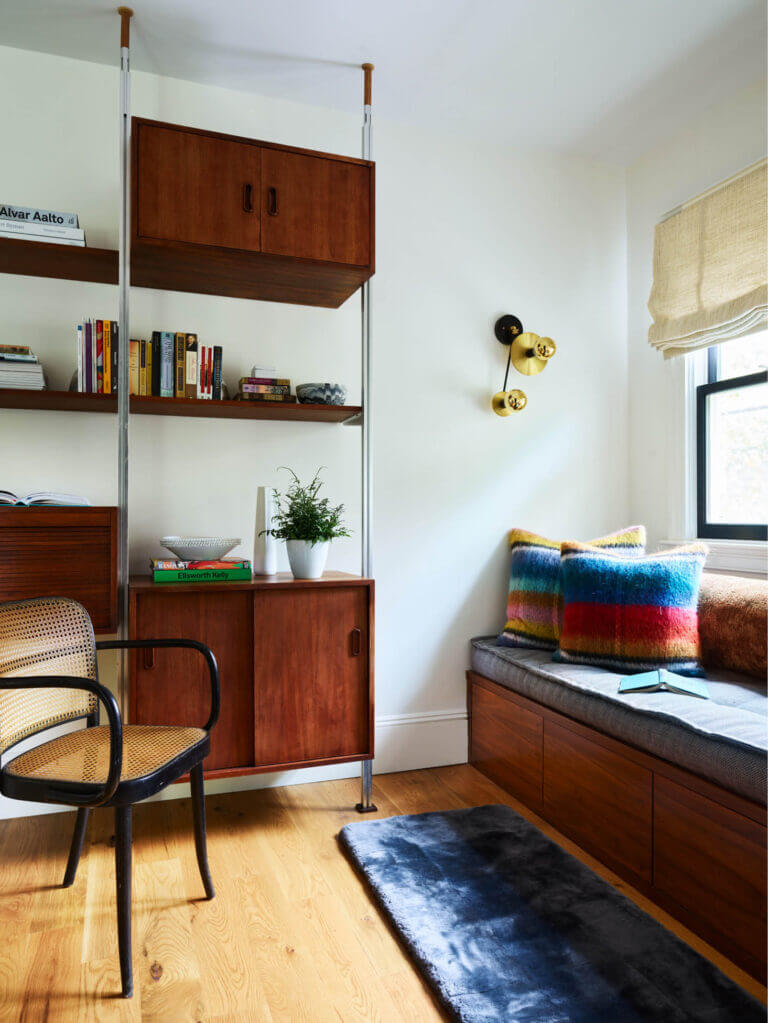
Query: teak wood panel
pixel 506 745
pixel 602 800
pixel 701 808
pixel 712 861
pixel 315 208
pixel 311 693
pixel 197 189
pixel 172 687
pixel 62 552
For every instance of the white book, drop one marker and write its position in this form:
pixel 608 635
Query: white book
pixel 36 215
pixel 37 237
pixel 43 497
pixel 26 228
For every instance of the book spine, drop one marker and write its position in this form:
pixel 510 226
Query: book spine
pixel 267 397
pixel 15 350
pixel 150 367
pixel 183 575
pixel 115 354
pixel 23 236
pixel 88 357
pixel 133 367
pixel 190 390
pixel 31 214
pixel 217 354
pixel 107 330
pixel 202 389
pixel 180 375
pixel 99 356
pixel 266 381
pixel 142 367
pixel 79 335
pixel 166 364
pixel 157 362
pixel 175 564
pixel 265 389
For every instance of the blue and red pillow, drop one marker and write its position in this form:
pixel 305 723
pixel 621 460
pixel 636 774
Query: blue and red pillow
pixel 631 614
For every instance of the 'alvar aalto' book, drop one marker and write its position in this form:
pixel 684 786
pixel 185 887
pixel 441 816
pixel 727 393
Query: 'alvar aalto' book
pixel 662 680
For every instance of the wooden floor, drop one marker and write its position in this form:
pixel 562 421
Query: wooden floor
pixel 291 936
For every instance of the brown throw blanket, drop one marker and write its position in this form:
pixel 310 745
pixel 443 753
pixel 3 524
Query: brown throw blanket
pixel 733 618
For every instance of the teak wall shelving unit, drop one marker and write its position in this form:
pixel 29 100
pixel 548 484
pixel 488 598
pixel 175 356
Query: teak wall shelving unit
pixel 275 223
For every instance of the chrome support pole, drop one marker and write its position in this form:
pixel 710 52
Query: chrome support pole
pixel 124 283
pixel 366 805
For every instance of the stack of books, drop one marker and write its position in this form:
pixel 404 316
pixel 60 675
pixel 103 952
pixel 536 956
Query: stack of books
pixel 43 498
pixel 35 225
pixel 20 369
pixel 97 344
pixel 172 570
pixel 265 385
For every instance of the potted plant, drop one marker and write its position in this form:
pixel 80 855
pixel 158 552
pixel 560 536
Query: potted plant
pixel 307 523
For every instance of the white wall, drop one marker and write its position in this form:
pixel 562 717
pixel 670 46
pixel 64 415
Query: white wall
pixel 727 138
pixel 463 235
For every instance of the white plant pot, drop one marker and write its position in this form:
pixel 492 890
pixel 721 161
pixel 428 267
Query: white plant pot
pixel 307 560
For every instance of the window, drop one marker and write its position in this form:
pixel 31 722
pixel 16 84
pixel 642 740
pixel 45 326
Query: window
pixel 732 441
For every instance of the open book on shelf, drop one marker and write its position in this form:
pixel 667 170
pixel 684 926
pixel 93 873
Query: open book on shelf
pixel 43 497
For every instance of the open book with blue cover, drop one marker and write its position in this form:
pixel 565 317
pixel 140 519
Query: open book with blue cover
pixel 662 680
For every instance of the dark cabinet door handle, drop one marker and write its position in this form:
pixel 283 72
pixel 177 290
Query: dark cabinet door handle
pixel 356 642
pixel 272 202
pixel 148 657
pixel 248 198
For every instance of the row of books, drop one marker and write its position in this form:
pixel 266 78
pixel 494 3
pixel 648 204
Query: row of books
pixel 20 369
pixel 173 570
pixel 97 348
pixel 37 225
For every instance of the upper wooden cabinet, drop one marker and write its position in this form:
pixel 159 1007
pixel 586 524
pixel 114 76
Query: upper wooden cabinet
pixel 225 215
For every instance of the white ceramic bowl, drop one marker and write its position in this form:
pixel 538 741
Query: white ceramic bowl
pixel 200 548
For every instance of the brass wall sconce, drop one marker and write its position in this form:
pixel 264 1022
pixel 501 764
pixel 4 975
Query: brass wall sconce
pixel 528 353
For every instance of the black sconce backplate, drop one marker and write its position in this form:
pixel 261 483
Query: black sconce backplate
pixel 507 328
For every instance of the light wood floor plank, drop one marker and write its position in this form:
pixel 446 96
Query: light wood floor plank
pixel 291 937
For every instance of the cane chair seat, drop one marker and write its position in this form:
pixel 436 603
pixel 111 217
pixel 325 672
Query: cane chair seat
pixel 81 758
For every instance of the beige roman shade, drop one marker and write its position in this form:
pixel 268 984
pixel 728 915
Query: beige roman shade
pixel 710 267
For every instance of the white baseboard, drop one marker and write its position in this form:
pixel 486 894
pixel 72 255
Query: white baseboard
pixel 404 742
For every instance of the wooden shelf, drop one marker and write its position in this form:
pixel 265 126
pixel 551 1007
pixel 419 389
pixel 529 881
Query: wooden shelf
pixel 74 401
pixel 201 269
pixel 49 259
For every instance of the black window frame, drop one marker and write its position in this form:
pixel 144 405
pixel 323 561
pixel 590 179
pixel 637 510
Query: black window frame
pixel 719 530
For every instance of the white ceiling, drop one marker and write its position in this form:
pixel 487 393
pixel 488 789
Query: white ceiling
pixel 608 78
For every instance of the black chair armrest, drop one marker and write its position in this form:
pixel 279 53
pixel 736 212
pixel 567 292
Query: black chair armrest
pixel 213 668
pixel 113 716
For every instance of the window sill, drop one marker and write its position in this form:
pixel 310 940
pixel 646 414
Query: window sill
pixel 740 557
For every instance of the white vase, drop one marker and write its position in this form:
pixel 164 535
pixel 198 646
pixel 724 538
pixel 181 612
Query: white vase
pixel 307 559
pixel 264 545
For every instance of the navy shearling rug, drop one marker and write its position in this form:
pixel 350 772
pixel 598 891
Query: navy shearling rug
pixel 507 926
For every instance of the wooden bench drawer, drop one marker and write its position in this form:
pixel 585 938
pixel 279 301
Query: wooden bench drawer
pixel 712 861
pixel 506 744
pixel 602 800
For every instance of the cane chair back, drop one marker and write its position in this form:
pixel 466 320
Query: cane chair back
pixel 44 636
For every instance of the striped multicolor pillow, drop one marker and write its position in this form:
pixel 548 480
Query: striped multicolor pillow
pixel 632 614
pixel 534 604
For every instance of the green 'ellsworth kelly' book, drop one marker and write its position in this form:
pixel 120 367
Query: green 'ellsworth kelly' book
pixel 202 575
pixel 661 680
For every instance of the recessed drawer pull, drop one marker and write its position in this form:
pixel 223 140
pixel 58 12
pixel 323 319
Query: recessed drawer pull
pixel 356 642
pixel 247 198
pixel 272 202
pixel 148 657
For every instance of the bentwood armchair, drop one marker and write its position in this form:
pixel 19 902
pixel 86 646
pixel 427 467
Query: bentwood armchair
pixel 48 677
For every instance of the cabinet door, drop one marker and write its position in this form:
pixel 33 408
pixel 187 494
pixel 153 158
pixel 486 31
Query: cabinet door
pixel 197 188
pixel 315 207
pixel 171 687
pixel 310 674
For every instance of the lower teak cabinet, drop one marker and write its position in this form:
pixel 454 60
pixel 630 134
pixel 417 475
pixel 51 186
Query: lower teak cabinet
pixel 295 660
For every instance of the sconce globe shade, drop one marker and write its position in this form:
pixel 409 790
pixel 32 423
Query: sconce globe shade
pixel 530 353
pixel 504 403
